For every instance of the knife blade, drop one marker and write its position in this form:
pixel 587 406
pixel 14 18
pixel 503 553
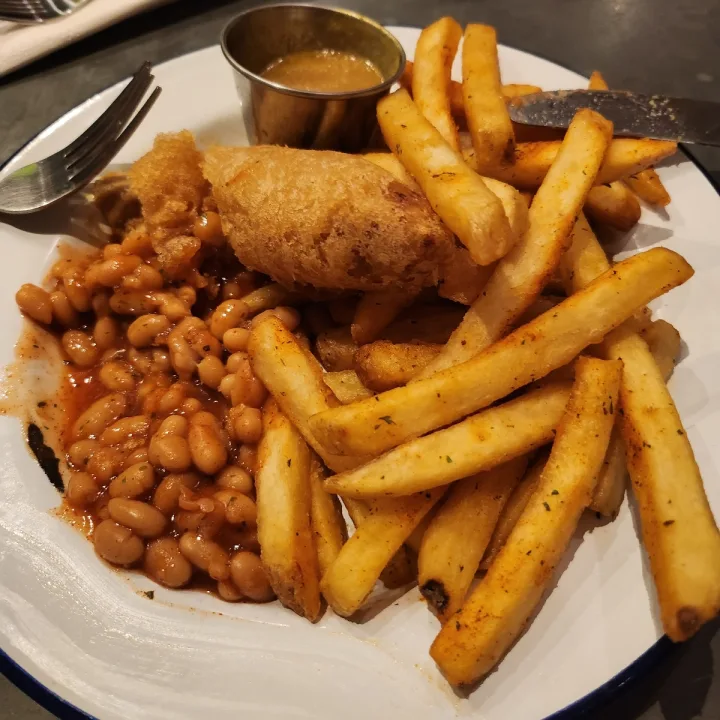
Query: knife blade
pixel 632 114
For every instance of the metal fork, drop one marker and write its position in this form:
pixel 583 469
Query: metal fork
pixel 36 186
pixel 29 12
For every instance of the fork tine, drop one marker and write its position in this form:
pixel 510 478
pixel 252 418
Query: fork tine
pixel 108 133
pixel 104 155
pixel 117 111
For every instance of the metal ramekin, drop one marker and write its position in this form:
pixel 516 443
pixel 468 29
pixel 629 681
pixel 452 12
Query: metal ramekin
pixel 277 115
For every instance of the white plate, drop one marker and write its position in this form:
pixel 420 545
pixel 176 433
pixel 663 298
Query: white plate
pixel 88 635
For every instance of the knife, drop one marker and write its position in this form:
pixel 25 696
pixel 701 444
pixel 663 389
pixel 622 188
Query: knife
pixel 632 114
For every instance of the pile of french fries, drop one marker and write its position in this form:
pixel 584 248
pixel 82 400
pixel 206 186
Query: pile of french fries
pixel 465 439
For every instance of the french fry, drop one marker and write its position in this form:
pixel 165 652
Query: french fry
pixel 678 528
pixel 434 55
pixel 346 386
pixel 336 349
pixel 351 578
pixel 328 524
pixel 597 81
pixel 476 444
pixel 455 540
pixel 513 90
pixel 387 161
pixel 625 156
pixel 458 195
pixel 424 323
pixel 485 109
pixel 614 205
pixel 513 509
pixel 648 186
pixel 383 365
pixel 527 354
pixel 469 646
pixel 462 279
pixel 295 379
pixel 514 205
pixel 401 570
pixel 520 276
pixel 664 342
pixel 612 478
pixel 375 311
pixel 455 91
pixel 282 483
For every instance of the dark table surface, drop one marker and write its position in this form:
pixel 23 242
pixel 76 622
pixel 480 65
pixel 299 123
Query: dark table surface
pixel 662 46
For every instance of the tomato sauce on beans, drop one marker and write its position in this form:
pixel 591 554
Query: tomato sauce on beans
pixel 162 409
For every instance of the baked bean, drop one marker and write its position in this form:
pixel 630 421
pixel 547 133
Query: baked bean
pixel 106 333
pixel 143 277
pixel 35 303
pixel 136 456
pixel 145 330
pixel 132 302
pixel 236 339
pixel 211 371
pixel 248 425
pixel 82 489
pixel 247 458
pixel 168 491
pixel 63 311
pixel 116 376
pixel 227 315
pixel 80 348
pixel 136 480
pixel 247 389
pixel 239 508
pixel 171 452
pixel 124 429
pixel 172 398
pixel 208 446
pixel 235 478
pixel 236 361
pixel 228 592
pixel 141 360
pixel 188 295
pixel 249 576
pixel 105 463
pixel 160 360
pixel 195 331
pixel 226 386
pixel 101 304
pixel 110 273
pixel 60 267
pixel 190 407
pixel 244 538
pixel 239 286
pixel 74 286
pixel 288 316
pixel 80 452
pixel 205 554
pixel 111 250
pixel 137 242
pixel 208 229
pixel 99 415
pixel 173 425
pixel 151 400
pixel 171 306
pixel 117 544
pixel 143 519
pixel 182 357
pixel 166 564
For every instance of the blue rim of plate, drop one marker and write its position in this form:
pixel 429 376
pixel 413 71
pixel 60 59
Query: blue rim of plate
pixel 593 701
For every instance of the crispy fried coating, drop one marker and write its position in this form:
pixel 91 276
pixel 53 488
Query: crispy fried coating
pixel 170 185
pixel 325 219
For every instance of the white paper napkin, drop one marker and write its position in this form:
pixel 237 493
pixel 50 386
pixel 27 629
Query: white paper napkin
pixel 21 44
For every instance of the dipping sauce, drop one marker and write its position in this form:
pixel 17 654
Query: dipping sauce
pixel 323 71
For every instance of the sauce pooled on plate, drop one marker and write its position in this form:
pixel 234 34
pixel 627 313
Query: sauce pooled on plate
pixel 323 71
